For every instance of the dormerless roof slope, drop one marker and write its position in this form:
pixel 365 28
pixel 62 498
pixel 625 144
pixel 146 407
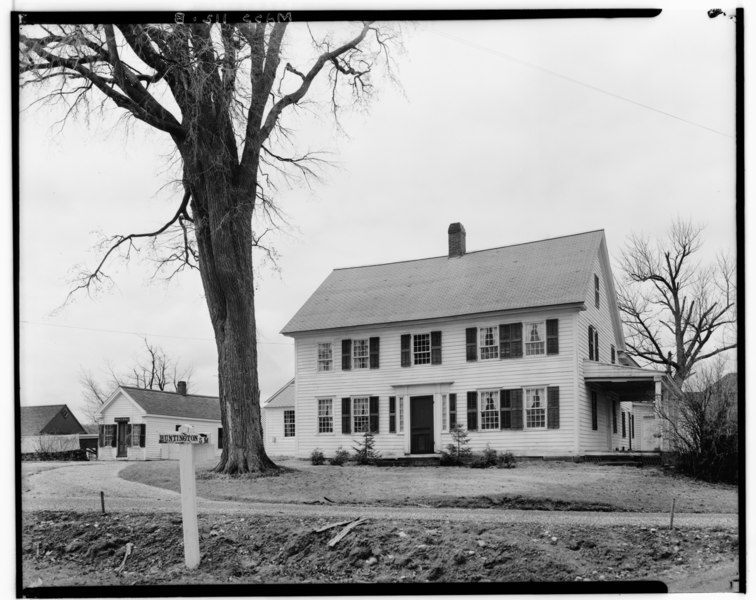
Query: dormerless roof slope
pixel 283 397
pixel 172 404
pixel 536 274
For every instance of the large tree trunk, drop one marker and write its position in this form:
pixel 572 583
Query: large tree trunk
pixel 222 220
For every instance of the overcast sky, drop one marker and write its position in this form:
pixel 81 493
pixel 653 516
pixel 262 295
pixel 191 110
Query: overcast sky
pixel 521 130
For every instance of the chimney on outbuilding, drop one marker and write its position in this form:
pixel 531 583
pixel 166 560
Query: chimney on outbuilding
pixel 457 245
pixel 181 388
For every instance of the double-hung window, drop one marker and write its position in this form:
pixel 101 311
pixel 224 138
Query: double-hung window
pixel 325 356
pixel 489 342
pixel 535 408
pixel 489 409
pixel 325 415
pixel 289 427
pixel 360 354
pixel 535 338
pixel 421 348
pixel 360 414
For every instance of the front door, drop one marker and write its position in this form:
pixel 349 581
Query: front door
pixel 421 425
pixel 121 439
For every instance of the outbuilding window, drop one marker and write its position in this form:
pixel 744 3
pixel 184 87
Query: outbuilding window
pixel 289 426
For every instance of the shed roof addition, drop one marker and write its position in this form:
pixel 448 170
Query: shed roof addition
pixel 283 397
pixel 536 274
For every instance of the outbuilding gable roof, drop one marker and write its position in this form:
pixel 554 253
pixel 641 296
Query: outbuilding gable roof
pixel 283 397
pixel 36 420
pixel 545 273
pixel 173 404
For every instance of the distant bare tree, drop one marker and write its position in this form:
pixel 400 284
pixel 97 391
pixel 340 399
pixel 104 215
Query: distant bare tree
pixel 154 371
pixel 677 312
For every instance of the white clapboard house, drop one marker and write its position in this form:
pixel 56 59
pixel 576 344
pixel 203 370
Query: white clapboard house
pixel 522 345
pixel 279 424
pixel 132 419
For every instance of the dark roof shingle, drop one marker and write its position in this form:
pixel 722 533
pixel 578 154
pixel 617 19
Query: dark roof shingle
pixel 35 420
pixel 173 404
pixel 536 274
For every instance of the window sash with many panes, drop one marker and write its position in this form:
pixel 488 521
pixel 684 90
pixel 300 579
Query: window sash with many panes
pixel 535 408
pixel 535 338
pixel 489 409
pixel 289 429
pixel 421 348
pixel 325 415
pixel 360 354
pixel 360 414
pixel 325 356
pixel 489 342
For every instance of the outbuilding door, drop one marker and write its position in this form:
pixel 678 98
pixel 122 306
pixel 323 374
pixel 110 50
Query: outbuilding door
pixel 421 425
pixel 121 439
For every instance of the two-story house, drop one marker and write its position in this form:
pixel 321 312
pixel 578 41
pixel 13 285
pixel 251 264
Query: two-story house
pixel 522 345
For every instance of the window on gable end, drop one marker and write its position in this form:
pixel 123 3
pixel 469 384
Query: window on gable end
pixel 596 292
pixel 614 354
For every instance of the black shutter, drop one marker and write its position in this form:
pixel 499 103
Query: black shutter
pixel 590 342
pixel 505 346
pixel 101 436
pixel 624 430
pixel 452 410
pixel 406 354
pixel 614 359
pixel 346 355
pixel 114 432
pixel 346 422
pixel 553 407
pixel 471 341
pixel 472 411
pixel 129 430
pixel 594 411
pixel 392 414
pixel 374 414
pixel 220 438
pixel 142 435
pixel 516 397
pixel 505 409
pixel 614 416
pixel 435 347
pixel 515 340
pixel 632 425
pixel 552 336
pixel 595 344
pixel 375 351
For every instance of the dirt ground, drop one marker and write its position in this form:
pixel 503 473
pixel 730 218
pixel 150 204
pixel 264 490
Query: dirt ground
pixel 540 485
pixel 72 549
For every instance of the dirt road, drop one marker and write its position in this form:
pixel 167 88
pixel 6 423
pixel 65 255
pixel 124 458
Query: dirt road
pixel 77 486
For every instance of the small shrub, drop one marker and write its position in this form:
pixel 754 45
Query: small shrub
pixel 506 460
pixel 365 452
pixel 458 452
pixel 340 457
pixel 317 457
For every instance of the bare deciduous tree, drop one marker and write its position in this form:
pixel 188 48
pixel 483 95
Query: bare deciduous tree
pixel 220 92
pixel 677 312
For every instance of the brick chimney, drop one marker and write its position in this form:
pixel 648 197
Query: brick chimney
pixel 181 388
pixel 457 246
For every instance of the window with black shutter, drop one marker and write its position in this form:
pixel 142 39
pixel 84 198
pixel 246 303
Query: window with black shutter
pixel 597 295
pixel 517 411
pixel 594 411
pixel 472 411
pixel 346 421
pixel 435 347
pixel 552 336
pixel 552 394
pixel 614 417
pixel 505 419
pixel 346 355
pixel 113 436
pixel 375 351
pixel 471 343
pixel 406 342
pixel 452 410
pixel 392 414
pixel 590 342
pixel 142 435
pixel 374 421
pixel 624 427
pixel 510 340
pixel 614 356
pixel 595 345
pixel 632 425
pixel 101 436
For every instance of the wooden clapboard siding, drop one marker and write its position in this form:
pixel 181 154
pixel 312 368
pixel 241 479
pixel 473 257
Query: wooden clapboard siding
pixel 167 425
pixel 276 444
pixel 601 319
pixel 557 370
pixel 122 407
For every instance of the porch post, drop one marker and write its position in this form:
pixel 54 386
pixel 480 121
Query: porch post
pixel 661 425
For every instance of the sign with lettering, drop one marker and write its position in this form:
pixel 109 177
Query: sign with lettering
pixel 183 438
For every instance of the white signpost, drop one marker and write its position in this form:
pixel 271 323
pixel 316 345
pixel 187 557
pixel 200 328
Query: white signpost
pixel 188 440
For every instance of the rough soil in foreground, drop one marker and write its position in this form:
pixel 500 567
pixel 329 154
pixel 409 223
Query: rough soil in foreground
pixel 72 549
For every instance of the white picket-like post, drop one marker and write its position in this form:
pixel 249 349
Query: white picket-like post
pixel 189 506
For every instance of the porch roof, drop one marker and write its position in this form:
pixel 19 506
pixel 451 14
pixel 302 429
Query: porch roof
pixel 629 383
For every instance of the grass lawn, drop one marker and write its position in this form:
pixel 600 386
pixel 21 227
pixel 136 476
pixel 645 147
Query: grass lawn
pixel 577 485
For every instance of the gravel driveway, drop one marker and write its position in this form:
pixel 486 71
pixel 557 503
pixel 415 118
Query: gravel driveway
pixel 77 486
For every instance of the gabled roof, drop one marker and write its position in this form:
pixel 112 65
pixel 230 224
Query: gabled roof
pixel 173 404
pixel 282 398
pixel 545 273
pixel 35 420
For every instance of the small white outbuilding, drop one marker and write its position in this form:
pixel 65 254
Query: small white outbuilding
pixel 280 427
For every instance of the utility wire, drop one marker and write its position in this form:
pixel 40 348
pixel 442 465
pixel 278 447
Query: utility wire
pixel 577 82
